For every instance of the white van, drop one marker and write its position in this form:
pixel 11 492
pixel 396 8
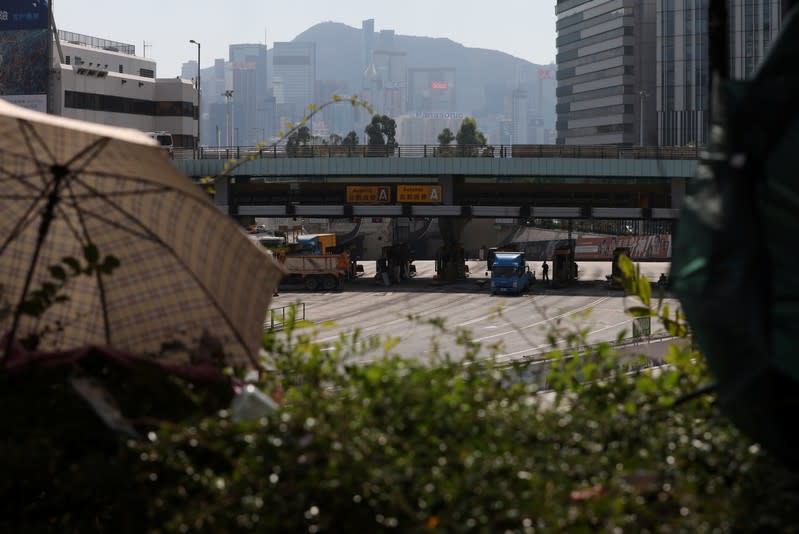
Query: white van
pixel 165 140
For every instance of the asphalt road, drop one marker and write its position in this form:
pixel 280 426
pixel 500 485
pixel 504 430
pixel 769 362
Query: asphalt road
pixel 510 326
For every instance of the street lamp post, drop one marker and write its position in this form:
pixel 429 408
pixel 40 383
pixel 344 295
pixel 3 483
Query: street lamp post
pixel 199 108
pixel 641 111
pixel 228 94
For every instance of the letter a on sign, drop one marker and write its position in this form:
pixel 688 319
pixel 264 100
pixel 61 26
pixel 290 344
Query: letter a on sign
pixel 382 195
pixel 434 194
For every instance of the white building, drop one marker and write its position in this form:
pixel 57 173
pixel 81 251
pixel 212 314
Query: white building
pixel 423 128
pixel 103 81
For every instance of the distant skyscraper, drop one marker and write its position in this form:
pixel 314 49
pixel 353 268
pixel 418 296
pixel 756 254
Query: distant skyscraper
pixel 339 119
pixel 214 83
pixel 520 117
pixel 188 71
pixel 682 60
pixel 248 82
pixel 432 90
pixel 606 72
pixel 368 30
pixel 389 92
pixel 294 79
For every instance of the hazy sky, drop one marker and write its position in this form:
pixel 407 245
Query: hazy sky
pixel 522 28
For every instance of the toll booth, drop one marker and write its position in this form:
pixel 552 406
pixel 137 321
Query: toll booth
pixel 451 263
pixel 564 268
pixel 397 261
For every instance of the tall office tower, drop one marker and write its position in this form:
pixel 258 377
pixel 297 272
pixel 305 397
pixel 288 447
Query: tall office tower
pixel 338 119
pixel 293 79
pixel 390 82
pixel 248 70
pixel 214 84
pixel 432 90
pixel 682 60
pixel 368 30
pixel 188 71
pixel 520 106
pixel 606 72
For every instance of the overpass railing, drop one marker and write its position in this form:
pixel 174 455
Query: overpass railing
pixel 436 151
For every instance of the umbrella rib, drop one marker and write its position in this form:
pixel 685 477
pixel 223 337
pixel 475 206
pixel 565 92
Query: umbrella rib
pixel 98 274
pixel 30 133
pixel 111 222
pixel 169 250
pixel 23 221
pixel 91 150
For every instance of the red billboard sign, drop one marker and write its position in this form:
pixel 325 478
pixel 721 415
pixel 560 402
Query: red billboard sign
pixel 440 85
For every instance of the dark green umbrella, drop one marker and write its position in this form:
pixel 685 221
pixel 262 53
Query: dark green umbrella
pixel 733 261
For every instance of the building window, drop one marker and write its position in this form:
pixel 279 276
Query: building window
pixel 134 106
pixel 67 60
pixel 146 73
pixel 121 69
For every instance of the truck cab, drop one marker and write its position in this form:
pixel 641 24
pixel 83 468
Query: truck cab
pixel 510 273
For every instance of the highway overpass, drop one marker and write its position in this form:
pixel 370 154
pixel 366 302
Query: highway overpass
pixel 516 181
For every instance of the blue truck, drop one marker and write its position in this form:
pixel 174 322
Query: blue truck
pixel 509 273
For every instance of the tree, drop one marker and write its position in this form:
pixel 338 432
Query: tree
pixel 445 137
pixel 381 131
pixel 351 139
pixel 300 137
pixel 469 135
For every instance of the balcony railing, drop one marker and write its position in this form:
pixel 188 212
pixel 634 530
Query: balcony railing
pixel 436 151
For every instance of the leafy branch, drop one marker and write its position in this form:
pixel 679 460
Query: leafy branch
pixel 52 292
pixel 639 286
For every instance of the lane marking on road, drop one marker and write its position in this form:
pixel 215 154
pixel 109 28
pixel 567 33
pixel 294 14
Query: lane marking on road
pixel 495 310
pixel 546 320
pixel 529 351
pixel 401 319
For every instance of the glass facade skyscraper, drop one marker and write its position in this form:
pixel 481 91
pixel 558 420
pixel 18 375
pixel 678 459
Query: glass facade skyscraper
pixel 682 60
pixel 294 79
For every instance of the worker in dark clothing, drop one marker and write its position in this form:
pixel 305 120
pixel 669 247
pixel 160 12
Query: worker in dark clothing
pixel 545 270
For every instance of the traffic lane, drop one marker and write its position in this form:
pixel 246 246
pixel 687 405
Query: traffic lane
pixel 513 327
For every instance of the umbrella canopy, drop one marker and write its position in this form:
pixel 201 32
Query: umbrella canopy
pixel 186 272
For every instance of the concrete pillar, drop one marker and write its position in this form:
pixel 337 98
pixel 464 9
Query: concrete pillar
pixel 677 192
pixel 450 258
pixel 447 183
pixel 221 197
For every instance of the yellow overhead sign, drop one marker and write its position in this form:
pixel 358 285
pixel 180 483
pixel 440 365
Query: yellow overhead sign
pixel 424 194
pixel 368 194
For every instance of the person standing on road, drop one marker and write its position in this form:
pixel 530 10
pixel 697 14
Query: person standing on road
pixel 545 270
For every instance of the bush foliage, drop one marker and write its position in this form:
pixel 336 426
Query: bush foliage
pixel 367 441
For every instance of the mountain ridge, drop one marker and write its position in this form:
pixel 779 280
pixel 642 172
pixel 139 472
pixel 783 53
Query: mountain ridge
pixel 481 73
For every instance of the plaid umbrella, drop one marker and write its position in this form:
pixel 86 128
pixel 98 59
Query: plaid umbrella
pixel 186 272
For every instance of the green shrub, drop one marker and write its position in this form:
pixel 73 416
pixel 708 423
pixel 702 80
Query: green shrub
pixel 367 441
